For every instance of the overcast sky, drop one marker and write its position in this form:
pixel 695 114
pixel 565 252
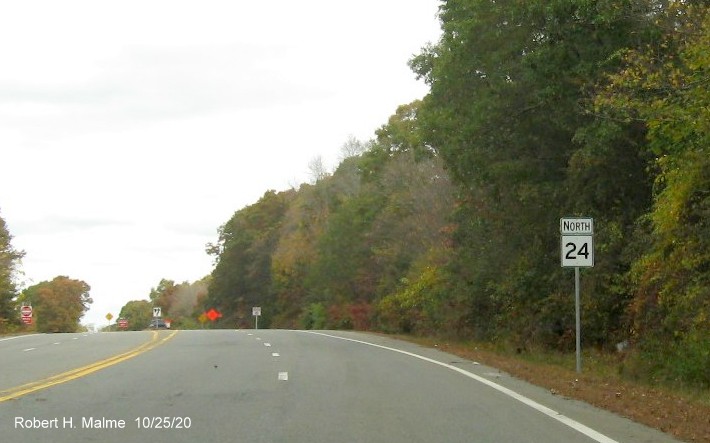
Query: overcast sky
pixel 130 131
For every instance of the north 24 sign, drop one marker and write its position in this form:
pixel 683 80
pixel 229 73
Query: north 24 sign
pixel 577 251
pixel 577 245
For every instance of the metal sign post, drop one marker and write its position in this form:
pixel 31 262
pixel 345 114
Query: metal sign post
pixel 256 312
pixel 577 251
pixel 578 321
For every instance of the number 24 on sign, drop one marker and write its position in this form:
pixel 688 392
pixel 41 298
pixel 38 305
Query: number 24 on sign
pixel 577 251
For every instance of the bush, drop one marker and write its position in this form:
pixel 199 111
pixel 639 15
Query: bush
pixel 682 362
pixel 314 317
pixel 416 307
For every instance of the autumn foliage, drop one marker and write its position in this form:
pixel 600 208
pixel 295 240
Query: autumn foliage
pixel 447 222
pixel 58 305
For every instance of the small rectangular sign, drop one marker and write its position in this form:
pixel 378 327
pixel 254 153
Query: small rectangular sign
pixel 578 251
pixel 256 311
pixel 577 226
pixel 26 311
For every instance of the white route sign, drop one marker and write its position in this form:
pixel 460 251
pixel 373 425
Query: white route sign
pixel 256 311
pixel 578 251
pixel 157 312
pixel 577 245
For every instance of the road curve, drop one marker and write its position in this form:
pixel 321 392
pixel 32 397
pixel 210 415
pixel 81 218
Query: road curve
pixel 277 386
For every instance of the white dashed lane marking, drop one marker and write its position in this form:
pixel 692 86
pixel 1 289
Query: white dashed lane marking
pixel 283 376
pixel 13 338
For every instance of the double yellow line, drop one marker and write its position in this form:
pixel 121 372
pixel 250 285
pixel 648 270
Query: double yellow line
pixel 73 374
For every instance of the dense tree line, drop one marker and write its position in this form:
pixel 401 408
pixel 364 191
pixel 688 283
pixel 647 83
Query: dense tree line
pixel 9 259
pixel 57 304
pixel 180 304
pixel 327 253
pixel 542 109
pixel 448 221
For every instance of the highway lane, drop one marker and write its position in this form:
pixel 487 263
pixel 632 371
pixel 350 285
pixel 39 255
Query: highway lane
pixel 291 386
pixel 28 358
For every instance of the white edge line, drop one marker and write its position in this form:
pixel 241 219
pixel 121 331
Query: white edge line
pixel 17 336
pixel 577 426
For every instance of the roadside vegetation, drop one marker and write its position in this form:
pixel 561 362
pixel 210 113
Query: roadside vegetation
pixel 447 222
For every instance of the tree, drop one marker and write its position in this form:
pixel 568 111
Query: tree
pixel 9 259
pixel 317 169
pixel 187 297
pixel 508 112
pixel 304 222
pixel 58 305
pixel 138 313
pixel 352 148
pixel 413 225
pixel 403 133
pixel 163 295
pixel 665 86
pixel 242 276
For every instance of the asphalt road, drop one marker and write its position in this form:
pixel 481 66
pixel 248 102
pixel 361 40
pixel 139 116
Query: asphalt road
pixel 275 386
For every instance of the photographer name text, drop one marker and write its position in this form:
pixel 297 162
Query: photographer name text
pixel 102 423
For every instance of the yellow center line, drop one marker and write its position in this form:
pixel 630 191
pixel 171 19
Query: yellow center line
pixel 19 391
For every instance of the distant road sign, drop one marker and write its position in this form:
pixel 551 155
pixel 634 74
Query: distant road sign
pixel 26 314
pixel 109 316
pixel 256 311
pixel 122 323
pixel 157 311
pixel 213 314
pixel 26 311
